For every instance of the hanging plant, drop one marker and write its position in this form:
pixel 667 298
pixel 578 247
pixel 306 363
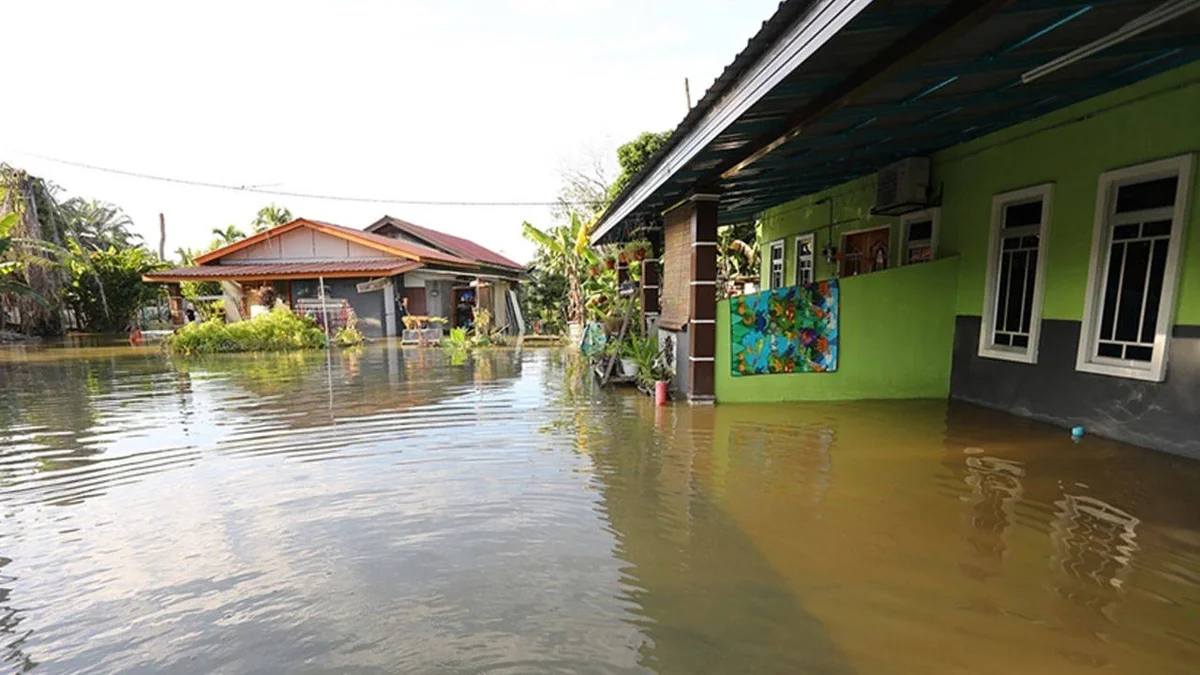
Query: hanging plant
pixel 638 249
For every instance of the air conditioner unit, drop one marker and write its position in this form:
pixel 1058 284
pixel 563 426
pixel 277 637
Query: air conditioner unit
pixel 902 187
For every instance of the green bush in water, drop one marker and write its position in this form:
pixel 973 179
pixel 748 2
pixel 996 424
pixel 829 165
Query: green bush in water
pixel 456 340
pixel 349 335
pixel 276 331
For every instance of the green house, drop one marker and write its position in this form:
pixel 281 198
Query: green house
pixel 1003 191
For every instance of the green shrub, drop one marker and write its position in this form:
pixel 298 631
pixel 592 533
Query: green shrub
pixel 456 340
pixel 276 331
pixel 349 335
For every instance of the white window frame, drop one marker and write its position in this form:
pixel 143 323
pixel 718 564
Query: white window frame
pixel 1028 354
pixel 812 254
pixel 934 215
pixel 777 244
pixel 1087 360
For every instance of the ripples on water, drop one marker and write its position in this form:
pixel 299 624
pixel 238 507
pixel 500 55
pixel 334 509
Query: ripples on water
pixel 386 511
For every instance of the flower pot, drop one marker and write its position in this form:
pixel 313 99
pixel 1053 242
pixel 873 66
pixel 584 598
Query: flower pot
pixel 629 367
pixel 639 254
pixel 610 263
pixel 660 393
pixel 624 258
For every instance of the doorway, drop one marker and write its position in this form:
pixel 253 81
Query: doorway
pixel 416 301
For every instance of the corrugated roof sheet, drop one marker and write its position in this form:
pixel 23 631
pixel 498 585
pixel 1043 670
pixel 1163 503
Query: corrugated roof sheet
pixel 286 270
pixel 457 245
pixel 386 244
pixel 423 252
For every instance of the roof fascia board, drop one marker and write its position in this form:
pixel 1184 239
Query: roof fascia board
pixel 823 21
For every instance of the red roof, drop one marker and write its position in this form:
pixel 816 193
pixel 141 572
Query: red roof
pixel 300 270
pixel 457 245
pixel 385 244
pixel 423 252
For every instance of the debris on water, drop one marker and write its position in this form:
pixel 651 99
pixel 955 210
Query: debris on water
pixel 1077 432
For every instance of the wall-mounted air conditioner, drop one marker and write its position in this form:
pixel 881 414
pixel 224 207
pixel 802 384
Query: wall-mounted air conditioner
pixel 902 187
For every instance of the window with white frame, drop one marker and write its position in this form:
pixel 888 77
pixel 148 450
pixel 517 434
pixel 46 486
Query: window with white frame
pixel 920 236
pixel 804 259
pixel 775 263
pixel 1012 307
pixel 1134 270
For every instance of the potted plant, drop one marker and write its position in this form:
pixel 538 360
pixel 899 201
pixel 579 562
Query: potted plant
pixel 638 249
pixel 639 356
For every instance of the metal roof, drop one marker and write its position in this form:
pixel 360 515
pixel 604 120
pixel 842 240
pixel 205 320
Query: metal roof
pixel 287 270
pixel 458 246
pixel 830 90
pixel 381 243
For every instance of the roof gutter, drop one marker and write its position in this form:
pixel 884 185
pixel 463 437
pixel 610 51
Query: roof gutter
pixel 823 20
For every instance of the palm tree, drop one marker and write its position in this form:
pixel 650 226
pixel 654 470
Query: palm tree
pixel 271 216
pixel 97 226
pixel 565 249
pixel 227 236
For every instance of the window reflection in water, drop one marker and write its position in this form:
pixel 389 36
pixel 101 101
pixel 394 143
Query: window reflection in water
pixel 995 489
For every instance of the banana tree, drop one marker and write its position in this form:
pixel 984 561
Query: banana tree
pixel 566 250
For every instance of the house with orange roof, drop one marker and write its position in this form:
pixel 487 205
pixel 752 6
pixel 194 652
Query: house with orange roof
pixel 333 273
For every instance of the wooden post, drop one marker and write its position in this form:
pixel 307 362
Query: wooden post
pixel 702 300
pixel 162 237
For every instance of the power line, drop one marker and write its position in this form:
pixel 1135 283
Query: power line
pixel 298 195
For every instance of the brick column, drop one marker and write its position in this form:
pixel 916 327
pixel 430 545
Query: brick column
pixel 702 300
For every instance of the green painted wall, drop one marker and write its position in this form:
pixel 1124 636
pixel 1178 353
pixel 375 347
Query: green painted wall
pixel 896 338
pixel 852 204
pixel 897 332
pixel 1153 119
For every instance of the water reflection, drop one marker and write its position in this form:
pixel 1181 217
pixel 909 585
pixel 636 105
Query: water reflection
pixel 398 511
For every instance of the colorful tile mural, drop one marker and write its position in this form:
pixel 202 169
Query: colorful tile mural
pixel 785 330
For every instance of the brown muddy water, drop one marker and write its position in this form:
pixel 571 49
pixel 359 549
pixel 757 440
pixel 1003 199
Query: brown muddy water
pixel 388 511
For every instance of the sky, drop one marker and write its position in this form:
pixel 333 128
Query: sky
pixel 471 100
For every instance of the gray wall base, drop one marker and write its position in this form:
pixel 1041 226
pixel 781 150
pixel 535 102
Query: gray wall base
pixel 1159 415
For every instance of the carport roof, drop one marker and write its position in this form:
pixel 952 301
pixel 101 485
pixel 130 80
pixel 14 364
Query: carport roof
pixel 831 90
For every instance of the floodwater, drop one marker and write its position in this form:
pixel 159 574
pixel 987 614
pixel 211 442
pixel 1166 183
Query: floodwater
pixel 403 512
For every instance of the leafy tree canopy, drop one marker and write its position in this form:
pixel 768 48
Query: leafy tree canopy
pixel 633 156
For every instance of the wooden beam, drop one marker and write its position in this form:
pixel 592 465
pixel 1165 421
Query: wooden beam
pixel 948 25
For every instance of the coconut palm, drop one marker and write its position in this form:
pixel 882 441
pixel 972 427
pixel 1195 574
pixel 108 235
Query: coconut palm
pixel 271 216
pixel 227 236
pixel 97 226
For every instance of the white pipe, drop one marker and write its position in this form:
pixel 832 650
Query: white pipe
pixel 324 309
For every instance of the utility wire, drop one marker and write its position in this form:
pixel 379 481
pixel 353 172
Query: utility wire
pixel 297 195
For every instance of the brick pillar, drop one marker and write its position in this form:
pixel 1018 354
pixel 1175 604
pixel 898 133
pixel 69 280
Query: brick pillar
pixel 702 300
pixel 175 303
